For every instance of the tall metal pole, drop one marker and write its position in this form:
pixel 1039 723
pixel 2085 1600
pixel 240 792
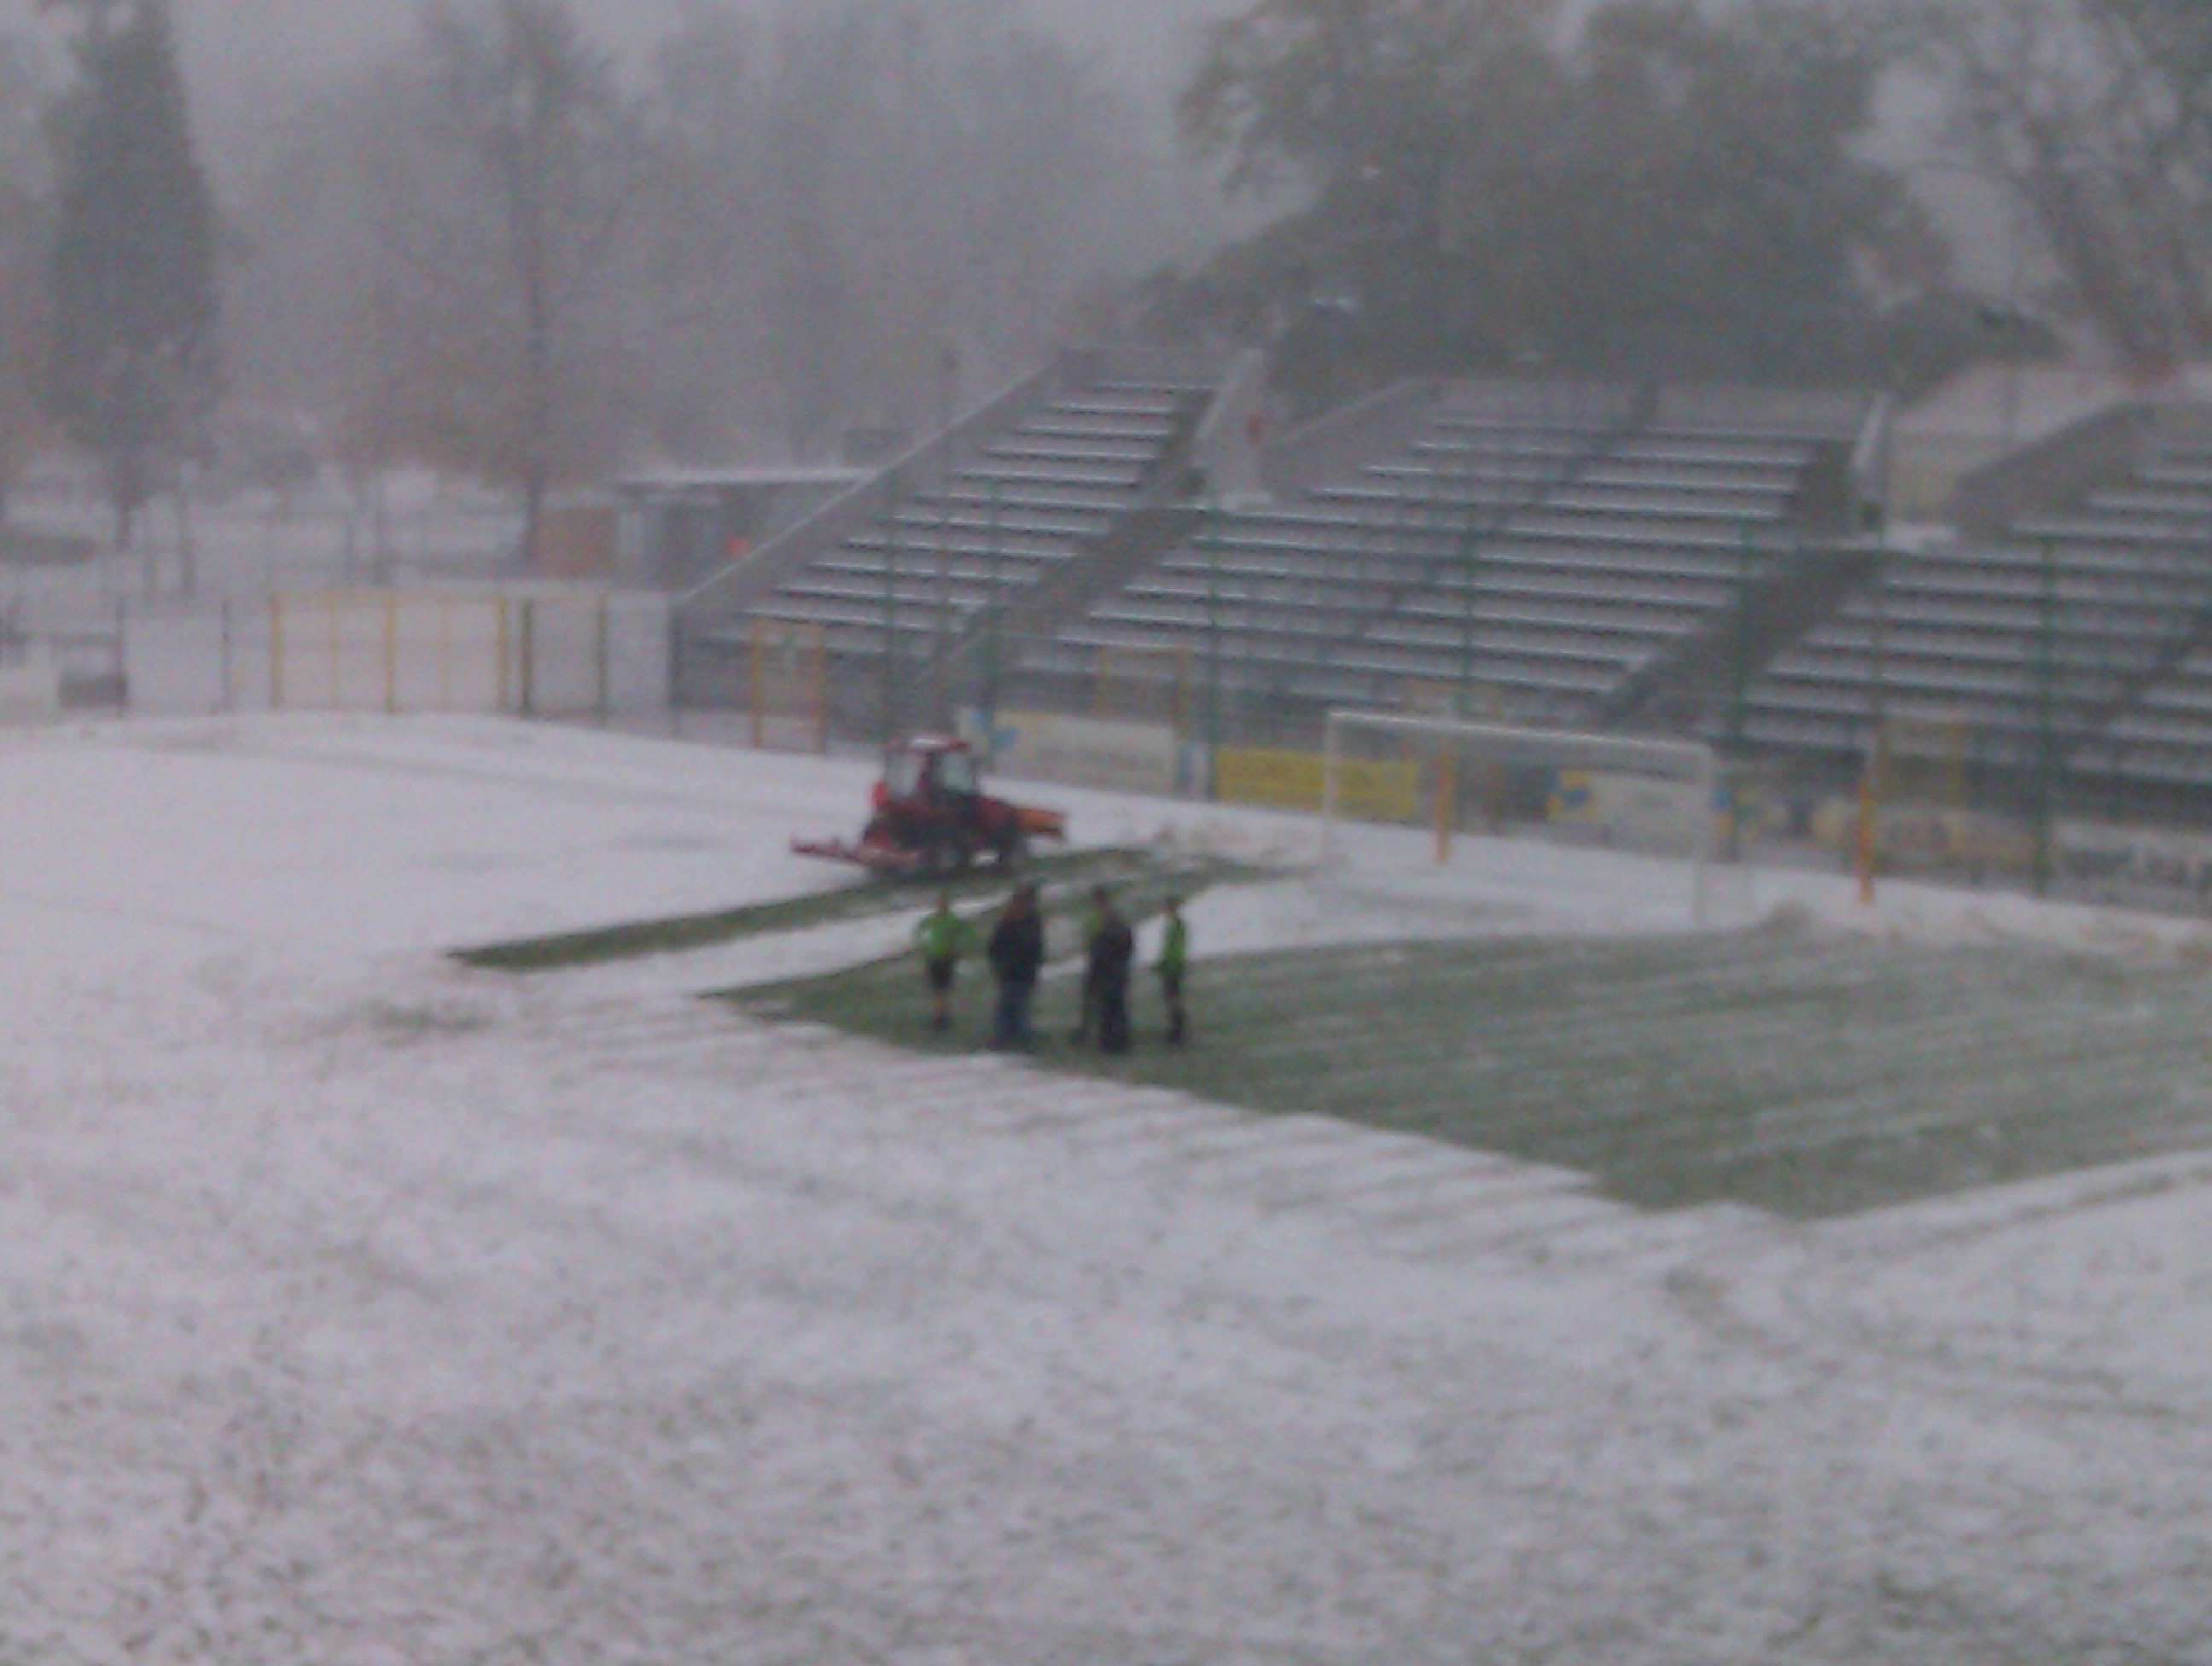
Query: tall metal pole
pixel 940 696
pixel 990 701
pixel 1734 720
pixel 890 724
pixel 1469 555
pixel 1870 780
pixel 1740 653
pixel 1210 522
pixel 1470 546
pixel 2046 716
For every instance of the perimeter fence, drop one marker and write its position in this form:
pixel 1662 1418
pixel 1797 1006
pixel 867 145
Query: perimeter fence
pixel 539 651
pixel 1935 798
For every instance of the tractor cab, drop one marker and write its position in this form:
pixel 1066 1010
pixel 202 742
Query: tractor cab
pixel 931 816
pixel 927 772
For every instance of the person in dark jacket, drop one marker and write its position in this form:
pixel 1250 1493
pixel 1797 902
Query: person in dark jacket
pixel 1016 952
pixel 1113 947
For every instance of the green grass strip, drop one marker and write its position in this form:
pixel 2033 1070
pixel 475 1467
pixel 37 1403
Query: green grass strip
pixel 1062 872
pixel 1810 1076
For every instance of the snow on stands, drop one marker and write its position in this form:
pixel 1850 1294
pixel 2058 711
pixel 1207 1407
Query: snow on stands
pixel 355 1307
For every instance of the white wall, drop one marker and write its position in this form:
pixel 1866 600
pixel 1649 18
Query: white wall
pixel 541 653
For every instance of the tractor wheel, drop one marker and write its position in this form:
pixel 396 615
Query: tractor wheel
pixel 1013 851
pixel 943 859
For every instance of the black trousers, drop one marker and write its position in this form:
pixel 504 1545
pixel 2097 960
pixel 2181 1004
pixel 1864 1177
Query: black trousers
pixel 1113 1011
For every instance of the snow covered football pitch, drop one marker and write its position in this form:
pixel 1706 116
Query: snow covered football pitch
pixel 1838 1289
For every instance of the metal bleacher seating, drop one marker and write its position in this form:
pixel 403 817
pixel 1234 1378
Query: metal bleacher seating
pixel 2164 736
pixel 1543 556
pixel 1034 498
pixel 2083 639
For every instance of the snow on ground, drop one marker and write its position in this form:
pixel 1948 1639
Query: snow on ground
pixel 356 1308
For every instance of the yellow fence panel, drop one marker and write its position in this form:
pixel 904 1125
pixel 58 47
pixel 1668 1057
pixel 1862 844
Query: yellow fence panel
pixel 360 651
pixel 1297 781
pixel 789 676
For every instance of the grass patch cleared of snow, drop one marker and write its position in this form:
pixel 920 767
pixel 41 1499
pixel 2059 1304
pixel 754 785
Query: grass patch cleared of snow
pixel 1063 873
pixel 1806 1073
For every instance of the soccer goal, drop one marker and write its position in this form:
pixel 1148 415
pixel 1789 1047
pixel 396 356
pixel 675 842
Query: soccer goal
pixel 1651 801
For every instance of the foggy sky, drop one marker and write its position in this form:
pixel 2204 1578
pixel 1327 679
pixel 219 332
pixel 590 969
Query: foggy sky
pixel 233 47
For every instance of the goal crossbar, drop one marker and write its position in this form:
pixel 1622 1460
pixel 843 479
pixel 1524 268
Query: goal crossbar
pixel 1688 764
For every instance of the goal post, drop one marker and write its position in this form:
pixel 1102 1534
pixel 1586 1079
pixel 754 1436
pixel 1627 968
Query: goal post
pixel 1654 798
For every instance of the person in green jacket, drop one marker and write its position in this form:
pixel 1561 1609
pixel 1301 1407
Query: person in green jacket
pixel 942 939
pixel 1174 957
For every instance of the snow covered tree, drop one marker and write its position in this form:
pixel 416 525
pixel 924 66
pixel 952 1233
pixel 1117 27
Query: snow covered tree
pixel 134 305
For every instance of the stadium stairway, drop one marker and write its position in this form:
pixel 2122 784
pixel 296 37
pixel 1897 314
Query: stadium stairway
pixel 1037 498
pixel 1568 550
pixel 1032 496
pixel 1688 687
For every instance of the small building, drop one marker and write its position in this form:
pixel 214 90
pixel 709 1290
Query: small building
pixel 576 538
pixel 675 528
pixel 1992 412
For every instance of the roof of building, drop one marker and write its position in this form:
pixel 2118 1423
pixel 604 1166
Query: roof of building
pixel 2020 403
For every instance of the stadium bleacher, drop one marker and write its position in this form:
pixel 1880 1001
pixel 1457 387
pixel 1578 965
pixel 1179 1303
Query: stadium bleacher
pixel 1036 496
pixel 1546 546
pixel 2083 639
pixel 1586 556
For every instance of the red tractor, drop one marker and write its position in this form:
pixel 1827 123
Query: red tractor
pixel 933 819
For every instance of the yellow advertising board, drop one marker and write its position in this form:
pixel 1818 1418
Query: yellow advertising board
pixel 1296 780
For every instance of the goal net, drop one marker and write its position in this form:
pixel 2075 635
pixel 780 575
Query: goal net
pixel 1441 804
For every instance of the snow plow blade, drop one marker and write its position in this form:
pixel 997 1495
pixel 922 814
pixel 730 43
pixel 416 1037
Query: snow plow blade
pixel 877 857
pixel 1040 823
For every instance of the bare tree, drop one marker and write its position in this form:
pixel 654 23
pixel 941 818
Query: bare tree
pixel 793 226
pixel 2095 116
pixel 943 187
pixel 502 209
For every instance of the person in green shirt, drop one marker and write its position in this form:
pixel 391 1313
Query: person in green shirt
pixel 1174 957
pixel 942 939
